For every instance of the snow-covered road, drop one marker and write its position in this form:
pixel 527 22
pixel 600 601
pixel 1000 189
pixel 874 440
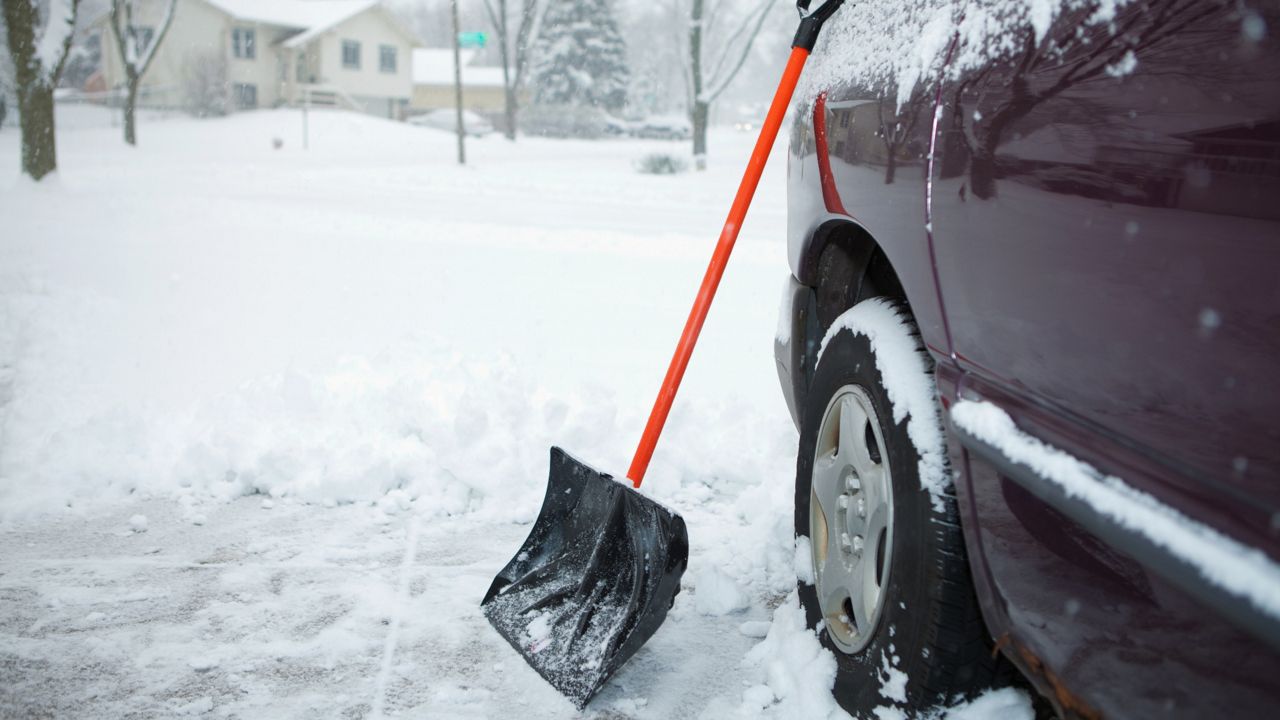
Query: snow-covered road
pixel 328 380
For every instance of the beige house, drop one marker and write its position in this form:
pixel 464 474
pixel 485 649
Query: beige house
pixel 267 53
pixel 433 83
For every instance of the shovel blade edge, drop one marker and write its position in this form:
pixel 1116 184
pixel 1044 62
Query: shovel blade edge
pixel 592 582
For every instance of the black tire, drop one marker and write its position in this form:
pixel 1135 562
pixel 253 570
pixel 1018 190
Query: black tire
pixel 929 626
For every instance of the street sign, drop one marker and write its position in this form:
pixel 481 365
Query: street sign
pixel 472 39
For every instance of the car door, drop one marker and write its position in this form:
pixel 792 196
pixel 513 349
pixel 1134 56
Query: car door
pixel 1106 223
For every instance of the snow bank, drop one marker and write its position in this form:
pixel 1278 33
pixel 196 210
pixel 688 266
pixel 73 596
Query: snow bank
pixel 908 382
pixel 1005 703
pixel 791 673
pixel 447 434
pixel 419 426
pixel 1239 570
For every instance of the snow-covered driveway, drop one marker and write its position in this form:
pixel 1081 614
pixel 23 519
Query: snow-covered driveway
pixel 270 420
pixel 295 612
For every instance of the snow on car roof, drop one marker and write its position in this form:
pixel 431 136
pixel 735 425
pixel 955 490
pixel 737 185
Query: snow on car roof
pixel 434 66
pixel 313 16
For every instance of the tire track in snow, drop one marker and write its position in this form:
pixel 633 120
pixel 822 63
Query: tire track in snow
pixel 393 632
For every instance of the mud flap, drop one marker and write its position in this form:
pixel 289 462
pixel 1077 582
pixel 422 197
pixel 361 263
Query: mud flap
pixel 593 581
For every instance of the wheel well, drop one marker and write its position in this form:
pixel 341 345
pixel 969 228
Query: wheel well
pixel 844 266
pixel 847 267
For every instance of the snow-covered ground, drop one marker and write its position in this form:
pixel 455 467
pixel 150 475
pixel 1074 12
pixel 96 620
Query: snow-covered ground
pixel 271 419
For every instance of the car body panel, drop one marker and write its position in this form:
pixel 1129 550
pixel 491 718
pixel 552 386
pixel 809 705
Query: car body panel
pixel 1114 285
pixel 883 209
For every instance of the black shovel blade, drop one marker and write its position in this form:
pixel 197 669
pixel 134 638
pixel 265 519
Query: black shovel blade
pixel 593 581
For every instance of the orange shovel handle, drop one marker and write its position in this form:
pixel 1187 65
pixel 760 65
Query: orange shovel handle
pixel 720 258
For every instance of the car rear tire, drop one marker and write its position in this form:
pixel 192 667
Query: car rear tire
pixel 890 593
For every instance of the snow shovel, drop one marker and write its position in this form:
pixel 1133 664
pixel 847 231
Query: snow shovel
pixel 602 565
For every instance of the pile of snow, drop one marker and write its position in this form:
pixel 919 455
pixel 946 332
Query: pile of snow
pixel 790 675
pixel 419 425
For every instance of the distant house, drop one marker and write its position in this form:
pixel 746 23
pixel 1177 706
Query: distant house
pixel 1233 170
pixel 433 83
pixel 267 53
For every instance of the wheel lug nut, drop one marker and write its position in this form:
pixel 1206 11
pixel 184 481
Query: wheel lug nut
pixel 846 543
pixel 857 544
pixel 862 507
pixel 842 502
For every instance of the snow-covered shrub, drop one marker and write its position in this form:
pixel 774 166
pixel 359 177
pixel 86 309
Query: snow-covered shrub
pixel 661 164
pixel 204 84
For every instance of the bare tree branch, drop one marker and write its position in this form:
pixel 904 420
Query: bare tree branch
pixel 720 82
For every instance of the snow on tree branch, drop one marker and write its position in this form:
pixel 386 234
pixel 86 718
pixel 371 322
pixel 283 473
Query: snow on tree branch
pixel 55 41
pixel 150 52
pixel 129 36
pixel 721 74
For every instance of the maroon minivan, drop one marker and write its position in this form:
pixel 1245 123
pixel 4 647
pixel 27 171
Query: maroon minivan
pixel 1032 345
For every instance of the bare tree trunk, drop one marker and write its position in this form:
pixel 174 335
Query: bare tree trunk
pixel 891 166
pixel 130 111
pixel 35 82
pixel 701 113
pixel 708 78
pixel 982 166
pixel 498 16
pixel 510 111
pixel 698 108
pixel 133 57
pixel 982 174
pixel 39 151
pixel 525 36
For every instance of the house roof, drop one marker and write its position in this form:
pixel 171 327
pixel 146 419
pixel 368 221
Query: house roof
pixel 434 66
pixel 1261 132
pixel 310 16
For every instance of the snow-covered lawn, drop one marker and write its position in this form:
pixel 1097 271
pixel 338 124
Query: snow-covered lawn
pixel 271 419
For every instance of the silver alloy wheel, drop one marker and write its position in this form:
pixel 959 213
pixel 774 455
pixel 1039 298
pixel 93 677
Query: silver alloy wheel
pixel 850 519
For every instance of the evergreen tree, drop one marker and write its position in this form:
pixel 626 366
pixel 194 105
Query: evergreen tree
pixel 581 58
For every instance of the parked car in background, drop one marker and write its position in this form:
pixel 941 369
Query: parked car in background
pixel 474 124
pixel 1030 341
pixel 617 127
pixel 663 127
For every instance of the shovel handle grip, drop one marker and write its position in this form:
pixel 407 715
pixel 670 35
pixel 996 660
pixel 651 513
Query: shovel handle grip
pixel 720 258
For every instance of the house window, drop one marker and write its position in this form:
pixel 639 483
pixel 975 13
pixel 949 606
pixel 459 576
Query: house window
pixel 351 54
pixel 244 43
pixel 387 58
pixel 245 95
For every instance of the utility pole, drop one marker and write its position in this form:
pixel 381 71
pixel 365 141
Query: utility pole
pixel 306 107
pixel 457 85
